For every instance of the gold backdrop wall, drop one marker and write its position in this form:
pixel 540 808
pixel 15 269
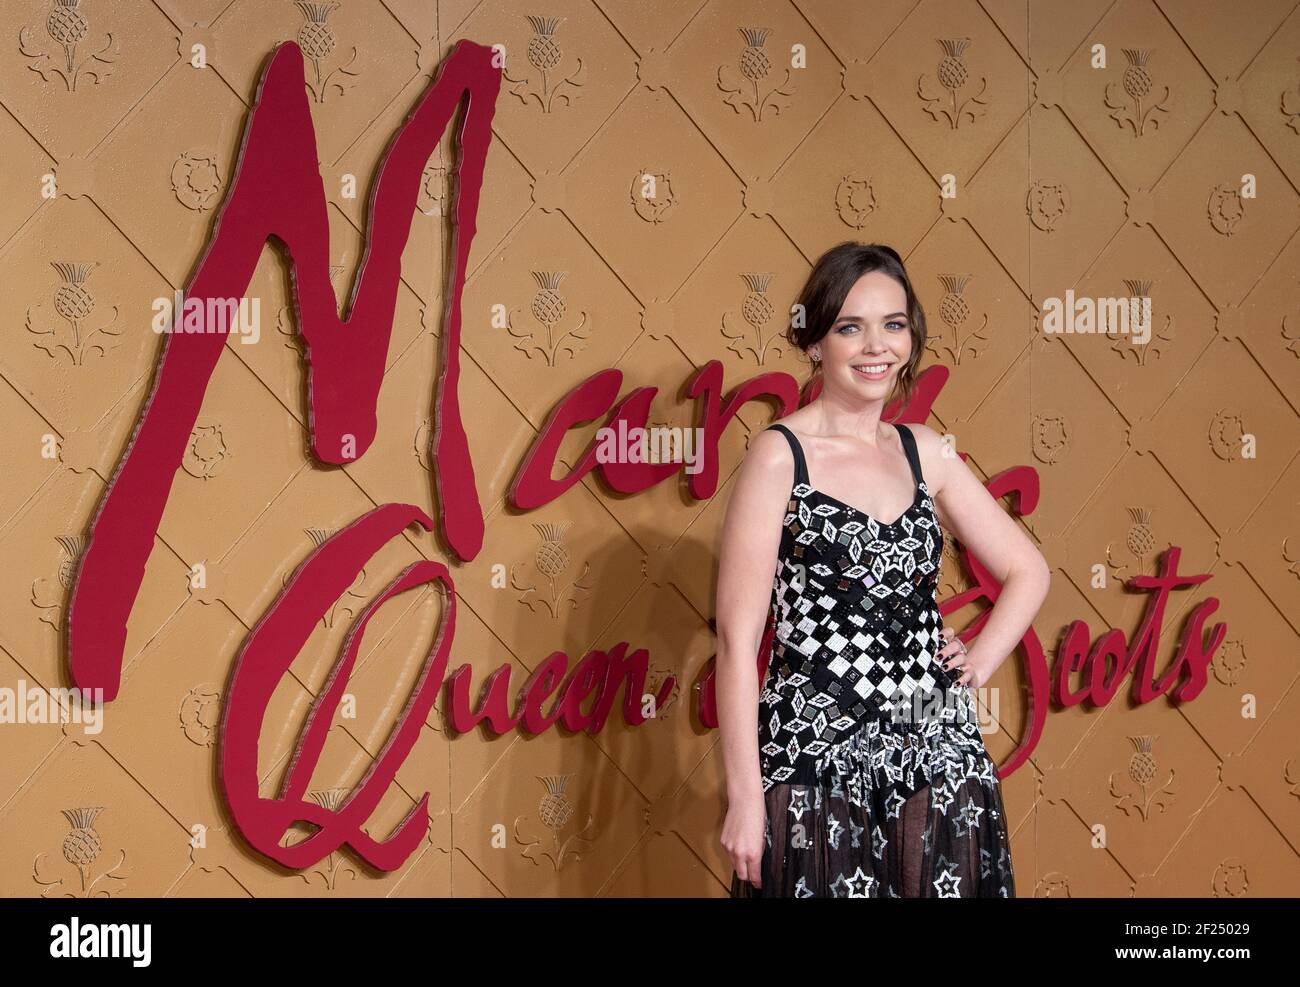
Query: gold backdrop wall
pixel 1173 172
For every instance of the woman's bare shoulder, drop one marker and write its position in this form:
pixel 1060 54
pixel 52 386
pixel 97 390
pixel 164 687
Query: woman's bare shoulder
pixel 930 446
pixel 768 468
pixel 925 436
pixel 769 452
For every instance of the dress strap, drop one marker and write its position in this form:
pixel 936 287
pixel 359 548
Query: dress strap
pixel 800 467
pixel 909 447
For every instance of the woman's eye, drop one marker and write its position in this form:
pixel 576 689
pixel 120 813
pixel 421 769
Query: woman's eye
pixel 851 327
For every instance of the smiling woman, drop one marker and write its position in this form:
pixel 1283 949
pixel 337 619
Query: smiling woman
pixel 857 767
pixel 831 322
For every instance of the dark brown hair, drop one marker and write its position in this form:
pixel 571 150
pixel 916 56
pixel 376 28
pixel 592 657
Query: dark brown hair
pixel 829 283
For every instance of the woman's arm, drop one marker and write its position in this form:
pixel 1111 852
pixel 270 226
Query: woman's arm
pixel 747 561
pixel 980 523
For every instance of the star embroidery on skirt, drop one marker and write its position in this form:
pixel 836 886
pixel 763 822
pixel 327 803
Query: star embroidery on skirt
pixel 834 832
pixel 859 885
pixel 941 798
pixel 798 802
pixel 970 815
pixel 894 804
pixel 948 882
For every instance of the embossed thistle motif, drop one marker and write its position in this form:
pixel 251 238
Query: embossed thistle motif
pixel 336 865
pixel 1291 105
pixel 946 98
pixel 1226 432
pixel 855 201
pixel 1225 207
pixel 49 595
pixel 1139 541
pixel 1229 662
pixel 349 604
pixel 1046 202
pixel 196 180
pixel 548 309
pixel 68 26
pixel 552 560
pixel 757 311
pixel 652 195
pixel 555 811
pixel 82 847
pixel 199 713
pixel 317 41
pixel 747 88
pixel 544 54
pixel 956 339
pixel 1142 771
pixel 206 452
pixel 1139 290
pixel 1050 436
pixel 287 325
pixel 73 546
pixel 74 303
pixel 1130 101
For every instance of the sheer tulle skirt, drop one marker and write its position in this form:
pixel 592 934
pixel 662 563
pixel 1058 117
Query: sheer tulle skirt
pixel 894 811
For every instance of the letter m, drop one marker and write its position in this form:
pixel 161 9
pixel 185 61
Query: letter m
pixel 278 192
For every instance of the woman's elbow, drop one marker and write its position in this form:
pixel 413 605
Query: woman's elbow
pixel 1038 571
pixel 735 639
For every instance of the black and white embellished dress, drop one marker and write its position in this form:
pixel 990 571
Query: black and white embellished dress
pixel 875 774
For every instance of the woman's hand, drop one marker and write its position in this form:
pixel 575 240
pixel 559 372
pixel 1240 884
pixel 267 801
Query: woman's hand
pixel 954 657
pixel 743 836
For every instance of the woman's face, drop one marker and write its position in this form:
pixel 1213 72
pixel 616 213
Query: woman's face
pixel 870 340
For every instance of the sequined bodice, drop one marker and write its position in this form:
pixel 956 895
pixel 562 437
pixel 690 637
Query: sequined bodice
pixel 857 623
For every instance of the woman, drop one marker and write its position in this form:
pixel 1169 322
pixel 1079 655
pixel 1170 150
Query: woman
pixel 867 775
